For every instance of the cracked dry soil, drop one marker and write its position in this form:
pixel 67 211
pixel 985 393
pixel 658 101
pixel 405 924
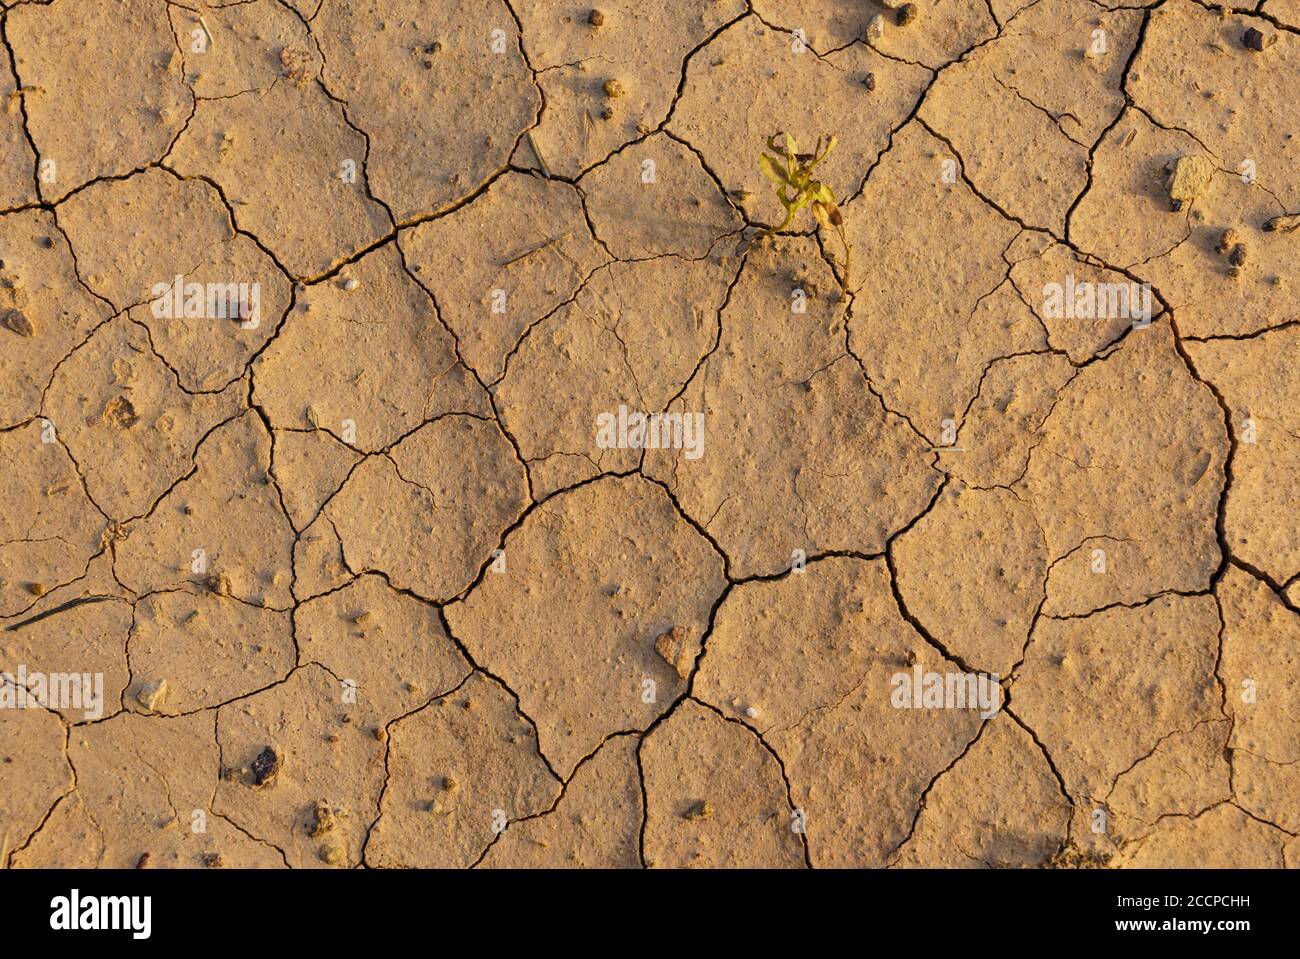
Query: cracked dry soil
pixel 360 582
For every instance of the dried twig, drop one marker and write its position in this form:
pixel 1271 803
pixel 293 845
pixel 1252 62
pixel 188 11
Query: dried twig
pixel 537 249
pixel 532 145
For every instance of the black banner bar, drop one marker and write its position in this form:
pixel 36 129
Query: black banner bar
pixel 332 908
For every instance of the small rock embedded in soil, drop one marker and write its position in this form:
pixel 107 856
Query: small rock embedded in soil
pixel 1257 40
pixel 701 810
pixel 1188 178
pixel 265 767
pixel 324 819
pixel 1227 240
pixel 614 89
pixel 151 694
pixel 331 854
pixel 676 650
pixel 119 412
pixel 1236 259
pixel 875 28
pixel 596 18
pixel 907 14
pixel 213 860
pixel 142 861
pixel 869 81
pixel 17 321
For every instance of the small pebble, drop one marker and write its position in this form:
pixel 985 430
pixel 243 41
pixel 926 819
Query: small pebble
pixel 150 694
pixel 18 322
pixel 1257 40
pixel 265 766
pixel 869 81
pixel 752 712
pixel 701 810
pixel 614 89
pixel 351 283
pixel 907 14
pixel 1189 176
pixel 595 18
pixel 323 819
pixel 875 28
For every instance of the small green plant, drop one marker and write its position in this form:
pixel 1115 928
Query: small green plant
pixel 792 173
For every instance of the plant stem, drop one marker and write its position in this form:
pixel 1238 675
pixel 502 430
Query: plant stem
pixel 789 215
pixel 848 254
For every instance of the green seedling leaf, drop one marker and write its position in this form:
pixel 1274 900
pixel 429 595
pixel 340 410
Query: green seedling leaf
pixel 772 170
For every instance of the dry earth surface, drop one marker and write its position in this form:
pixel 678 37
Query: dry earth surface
pixel 363 578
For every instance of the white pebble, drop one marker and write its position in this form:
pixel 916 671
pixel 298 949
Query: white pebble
pixel 752 712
